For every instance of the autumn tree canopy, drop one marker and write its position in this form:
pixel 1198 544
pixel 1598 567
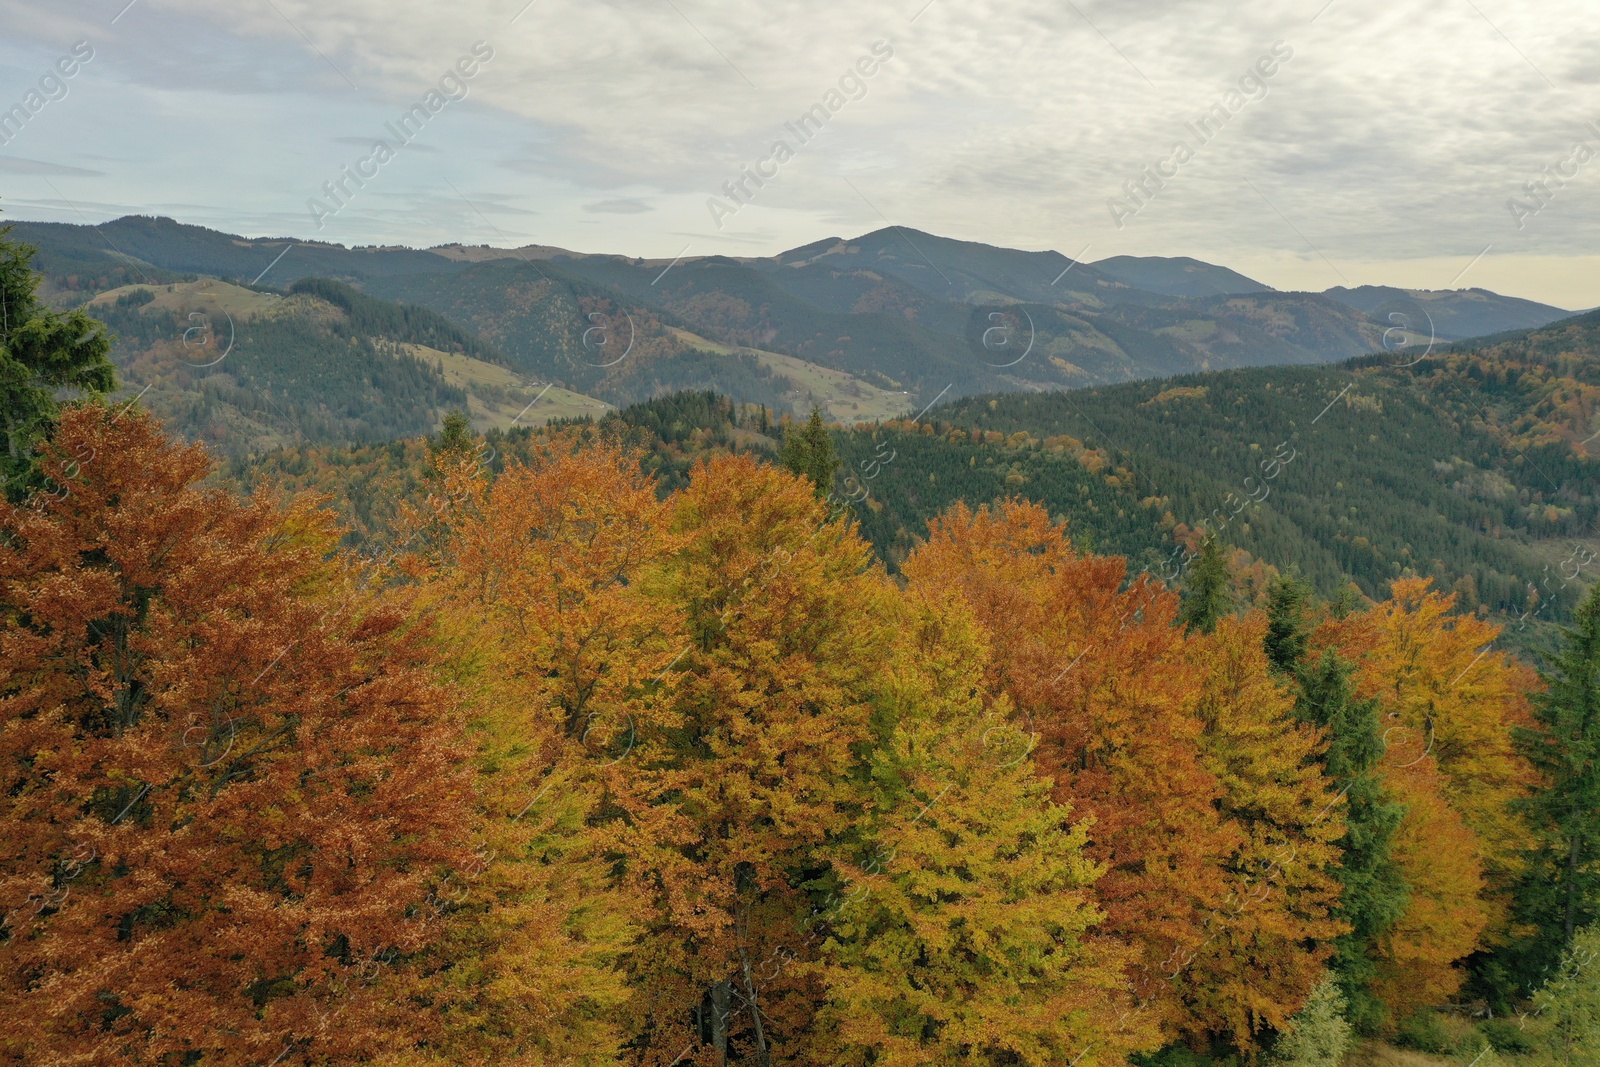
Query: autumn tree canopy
pixel 232 781
pixel 581 771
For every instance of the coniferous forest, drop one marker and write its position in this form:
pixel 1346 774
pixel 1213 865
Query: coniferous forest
pixel 639 741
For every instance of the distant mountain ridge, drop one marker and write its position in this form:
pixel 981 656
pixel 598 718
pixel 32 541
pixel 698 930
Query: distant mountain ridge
pixel 1178 276
pixel 1451 314
pixel 841 322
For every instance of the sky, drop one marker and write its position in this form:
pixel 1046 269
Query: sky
pixel 1348 142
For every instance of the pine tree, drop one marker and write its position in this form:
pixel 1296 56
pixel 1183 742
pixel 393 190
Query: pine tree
pixel 810 452
pixel 1374 894
pixel 1561 890
pixel 1207 592
pixel 455 436
pixel 42 352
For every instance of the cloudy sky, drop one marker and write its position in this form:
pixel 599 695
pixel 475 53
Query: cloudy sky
pixel 1387 145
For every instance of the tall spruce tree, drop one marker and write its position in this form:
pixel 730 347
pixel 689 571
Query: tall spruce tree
pixel 1288 631
pixel 809 451
pixel 1207 594
pixel 42 353
pixel 1374 893
pixel 1560 890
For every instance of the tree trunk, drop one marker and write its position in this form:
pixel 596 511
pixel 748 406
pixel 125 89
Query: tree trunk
pixel 763 1056
pixel 719 1021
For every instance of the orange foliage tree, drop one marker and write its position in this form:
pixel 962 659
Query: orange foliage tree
pixel 752 766
pixel 1444 913
pixel 230 782
pixel 1113 693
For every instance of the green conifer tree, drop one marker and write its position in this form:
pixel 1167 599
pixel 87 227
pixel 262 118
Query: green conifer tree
pixel 1561 888
pixel 455 434
pixel 1288 630
pixel 1207 594
pixel 42 353
pixel 809 451
pixel 1374 893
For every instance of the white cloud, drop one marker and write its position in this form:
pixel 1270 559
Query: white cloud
pixel 1395 134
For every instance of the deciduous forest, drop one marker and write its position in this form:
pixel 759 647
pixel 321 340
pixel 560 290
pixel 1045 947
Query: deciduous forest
pixel 594 758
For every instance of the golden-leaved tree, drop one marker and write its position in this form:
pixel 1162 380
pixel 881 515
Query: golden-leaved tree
pixel 966 934
pixel 1450 701
pixel 542 580
pixel 1265 949
pixel 1444 686
pixel 752 765
pixel 1102 672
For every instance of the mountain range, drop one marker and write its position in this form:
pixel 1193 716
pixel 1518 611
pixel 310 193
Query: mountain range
pixel 884 323
pixel 1136 397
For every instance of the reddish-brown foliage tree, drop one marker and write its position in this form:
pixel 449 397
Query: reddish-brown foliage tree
pixel 1103 672
pixel 229 780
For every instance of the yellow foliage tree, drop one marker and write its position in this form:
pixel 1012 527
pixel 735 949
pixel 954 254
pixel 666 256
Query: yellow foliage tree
pixel 1265 949
pixel 967 935
pixel 542 580
pixel 1445 913
pixel 1446 692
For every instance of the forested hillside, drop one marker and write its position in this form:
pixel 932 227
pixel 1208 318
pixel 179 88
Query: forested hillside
pixel 611 742
pixel 845 324
pixel 243 370
pixel 1474 467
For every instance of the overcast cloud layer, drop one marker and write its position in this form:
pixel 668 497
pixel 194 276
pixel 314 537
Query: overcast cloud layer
pixel 1387 147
